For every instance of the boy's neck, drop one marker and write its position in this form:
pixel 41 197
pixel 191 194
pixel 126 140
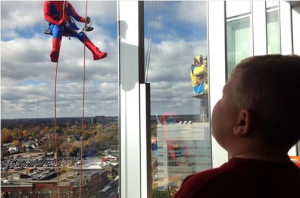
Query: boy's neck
pixel 280 157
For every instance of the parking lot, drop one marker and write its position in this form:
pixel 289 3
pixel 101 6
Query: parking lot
pixel 21 163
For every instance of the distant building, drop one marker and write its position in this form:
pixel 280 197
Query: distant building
pixel 113 148
pixel 31 145
pixel 109 158
pixel 51 135
pixel 13 149
pixel 4 151
pixel 69 185
pixel 72 138
pixel 100 120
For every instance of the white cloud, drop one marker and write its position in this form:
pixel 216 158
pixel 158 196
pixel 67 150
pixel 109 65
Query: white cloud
pixel 192 12
pixel 21 14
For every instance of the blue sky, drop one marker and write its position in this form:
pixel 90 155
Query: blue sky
pixel 27 75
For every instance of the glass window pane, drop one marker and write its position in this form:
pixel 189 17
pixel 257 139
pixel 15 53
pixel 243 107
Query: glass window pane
pixel 83 147
pixel 238 42
pixel 14 194
pixel 175 36
pixel 273 32
pixel 25 194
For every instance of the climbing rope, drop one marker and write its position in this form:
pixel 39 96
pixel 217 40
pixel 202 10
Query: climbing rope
pixel 83 94
pixel 82 124
pixel 55 122
pixel 55 129
pixel 148 52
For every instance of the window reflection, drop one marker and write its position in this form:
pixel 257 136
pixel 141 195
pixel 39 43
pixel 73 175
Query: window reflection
pixel 180 133
pixel 273 32
pixel 238 41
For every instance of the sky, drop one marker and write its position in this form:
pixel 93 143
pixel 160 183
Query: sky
pixel 28 75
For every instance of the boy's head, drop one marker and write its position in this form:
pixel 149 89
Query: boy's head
pixel 269 87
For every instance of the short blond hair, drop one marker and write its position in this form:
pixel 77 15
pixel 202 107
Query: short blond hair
pixel 269 86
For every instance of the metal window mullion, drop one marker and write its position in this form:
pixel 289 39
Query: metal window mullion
pixel 285 18
pixel 217 65
pixel 131 72
pixel 259 28
pixel 296 43
pixel 145 116
pixel 296 28
pixel 285 27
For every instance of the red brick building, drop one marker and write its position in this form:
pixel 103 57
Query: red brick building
pixel 69 186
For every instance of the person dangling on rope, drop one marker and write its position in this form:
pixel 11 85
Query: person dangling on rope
pixel 198 75
pixel 58 14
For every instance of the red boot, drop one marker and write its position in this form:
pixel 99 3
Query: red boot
pixel 97 54
pixel 55 50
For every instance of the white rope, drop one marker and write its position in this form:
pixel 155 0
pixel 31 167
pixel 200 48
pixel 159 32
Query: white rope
pixel 150 36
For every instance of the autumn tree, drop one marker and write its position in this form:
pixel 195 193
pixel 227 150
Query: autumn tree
pixel 25 134
pixel 59 154
pixel 65 146
pixel 116 139
pixel 75 150
pixel 100 139
pixel 111 132
pixel 6 136
pixel 36 133
pixel 44 130
pixel 45 146
pixel 16 143
pixel 16 134
pixel 153 130
pixel 113 129
pixel 99 127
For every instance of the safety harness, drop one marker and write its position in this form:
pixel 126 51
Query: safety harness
pixel 87 28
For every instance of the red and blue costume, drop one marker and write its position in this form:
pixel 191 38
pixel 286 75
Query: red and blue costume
pixel 58 14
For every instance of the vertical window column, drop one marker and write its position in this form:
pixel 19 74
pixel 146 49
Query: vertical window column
pixel 131 75
pixel 285 27
pixel 217 65
pixel 296 28
pixel 296 39
pixel 259 27
pixel 286 38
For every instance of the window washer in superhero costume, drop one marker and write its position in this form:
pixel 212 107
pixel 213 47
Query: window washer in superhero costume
pixel 198 73
pixel 58 14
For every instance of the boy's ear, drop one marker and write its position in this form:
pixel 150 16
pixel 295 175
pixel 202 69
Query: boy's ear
pixel 244 122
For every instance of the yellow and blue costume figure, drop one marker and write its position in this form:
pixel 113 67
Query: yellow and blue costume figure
pixel 198 75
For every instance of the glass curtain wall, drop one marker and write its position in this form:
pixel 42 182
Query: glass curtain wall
pixel 238 41
pixel 175 39
pixel 83 150
pixel 273 31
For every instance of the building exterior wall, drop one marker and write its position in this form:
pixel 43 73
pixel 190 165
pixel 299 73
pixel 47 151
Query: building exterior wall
pixel 48 188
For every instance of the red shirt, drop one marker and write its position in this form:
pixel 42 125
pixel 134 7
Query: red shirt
pixel 244 178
